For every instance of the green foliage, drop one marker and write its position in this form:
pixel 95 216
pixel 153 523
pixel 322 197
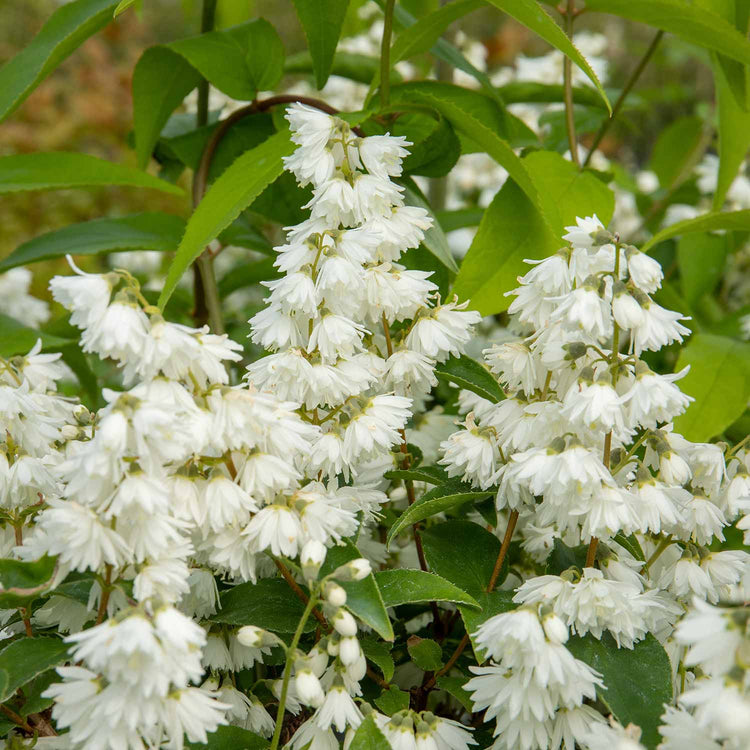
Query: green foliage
pixel 471 375
pixel 265 604
pixel 490 604
pixel 429 474
pixel 56 171
pixel 737 221
pixel 462 552
pixel 322 21
pixel 638 681
pixel 369 737
pixel 18 338
pixel 719 381
pixel 437 500
pixel 701 258
pixel 144 231
pixel 411 586
pixel 25 659
pixel 231 738
pixel 22 582
pixel 236 189
pixel 379 654
pixel 675 148
pixel 425 653
pixel 66 29
pixel 392 700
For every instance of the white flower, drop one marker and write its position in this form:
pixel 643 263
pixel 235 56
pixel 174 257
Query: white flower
pixel 582 235
pixel 376 426
pixel 338 710
pixel 472 455
pixel 334 336
pixel 85 295
pixel 274 527
pixel 382 154
pixel 309 689
pixel 442 331
pixel 654 398
pixel 680 730
pixel 660 327
pixel 645 272
pixel 409 372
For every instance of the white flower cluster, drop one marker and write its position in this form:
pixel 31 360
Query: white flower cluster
pixel 329 318
pixel 583 451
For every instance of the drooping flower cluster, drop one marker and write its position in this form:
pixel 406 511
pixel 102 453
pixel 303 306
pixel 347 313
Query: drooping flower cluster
pixel 583 450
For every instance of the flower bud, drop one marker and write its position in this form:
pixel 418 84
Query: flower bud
pixel 344 623
pixel 312 556
pixel 309 690
pixel 82 415
pixel 554 628
pixel 349 650
pixel 673 469
pixel 354 570
pixel 334 594
pixel 253 637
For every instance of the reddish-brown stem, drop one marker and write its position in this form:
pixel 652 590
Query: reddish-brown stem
pixel 16 719
pixel 301 595
pixel 104 601
pixel 591 552
pixel 464 642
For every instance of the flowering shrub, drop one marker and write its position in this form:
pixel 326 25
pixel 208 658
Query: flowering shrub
pixel 350 532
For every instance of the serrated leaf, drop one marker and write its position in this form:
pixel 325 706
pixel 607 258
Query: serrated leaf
pixel 470 375
pixel 437 500
pixel 379 653
pixel 455 686
pixel 145 231
pixel 731 221
pixel 421 35
pixel 65 30
pixel 392 701
pixel 369 737
pixel 688 21
pixel 265 55
pixel 403 586
pixel 531 14
pixel 462 552
pixel 562 557
pixel 429 474
pixel 233 191
pixel 231 738
pixel 490 604
pixel 26 658
pixel 363 598
pixel 122 6
pixel 638 681
pixel 19 339
pixel 61 170
pixel 425 653
pixel 322 21
pixel 718 380
pixel 269 604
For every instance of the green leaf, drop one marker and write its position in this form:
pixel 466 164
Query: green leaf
pixel 490 604
pixel 122 6
pixel 434 238
pixel 732 221
pixel 463 552
pixel 421 36
pixel 26 658
pixel 435 146
pixel 246 275
pixel 718 380
pixel 65 30
pixel 638 681
pixel 18 339
pixel 265 55
pixel 686 20
pixel 59 170
pixel 514 228
pixel 455 686
pixel 476 116
pixel 531 14
pixel 392 701
pixel 574 192
pixel 231 738
pixel 145 231
pixel 236 189
pixel 33 702
pixel 379 653
pixel 152 105
pixel 369 737
pixel 701 258
pixel 429 474
pixel 268 604
pixel 733 129
pixel 351 65
pixel 471 375
pixel 563 557
pixel 460 218
pixel 363 598
pixel 546 93
pixel 412 586
pixel 437 500
pixel 674 148
pixel 322 21
pixel 425 653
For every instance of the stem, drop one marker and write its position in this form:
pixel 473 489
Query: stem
pixel 288 671
pixel 104 601
pixel 666 542
pixel 18 533
pixel 387 334
pixel 208 17
pixel 464 642
pixel 570 124
pixel 634 76
pixel 385 54
pixel 503 550
pixel 591 552
pixel 301 595
pixel 205 265
pixel 16 719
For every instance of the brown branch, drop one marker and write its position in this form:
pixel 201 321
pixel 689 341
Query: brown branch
pixel 106 590
pixel 301 595
pixel 16 719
